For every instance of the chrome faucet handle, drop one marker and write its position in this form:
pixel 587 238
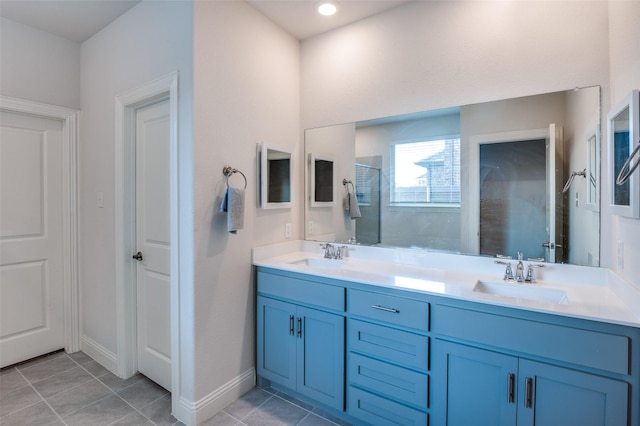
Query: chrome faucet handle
pixel 508 272
pixel 531 278
pixel 329 250
pixel 342 252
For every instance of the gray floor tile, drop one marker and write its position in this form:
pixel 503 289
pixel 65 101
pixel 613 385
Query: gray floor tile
pixel 220 419
pixel 276 412
pixel 247 403
pixel 18 399
pixel 142 393
pixel 35 415
pixel 62 381
pixel 80 357
pixel 317 411
pixel 103 412
pixel 47 368
pixel 159 411
pixel 295 401
pixel 7 370
pixel 66 402
pixel 95 368
pixel 134 419
pixel 116 384
pixel 313 420
pixel 11 382
pixel 40 359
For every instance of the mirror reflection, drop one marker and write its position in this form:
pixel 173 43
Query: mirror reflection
pixel 483 179
pixel 275 170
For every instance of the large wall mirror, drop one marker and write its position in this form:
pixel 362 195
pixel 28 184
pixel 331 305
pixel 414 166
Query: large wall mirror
pixel 484 179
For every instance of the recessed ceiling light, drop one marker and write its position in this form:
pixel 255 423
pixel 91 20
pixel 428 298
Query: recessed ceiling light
pixel 327 9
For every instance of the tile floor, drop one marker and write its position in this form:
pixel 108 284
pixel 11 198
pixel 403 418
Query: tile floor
pixel 62 389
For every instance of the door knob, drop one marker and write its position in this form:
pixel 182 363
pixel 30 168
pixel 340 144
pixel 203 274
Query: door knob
pixel 138 256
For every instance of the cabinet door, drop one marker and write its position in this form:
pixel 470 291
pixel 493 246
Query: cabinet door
pixel 321 357
pixel 473 386
pixel 276 351
pixel 559 396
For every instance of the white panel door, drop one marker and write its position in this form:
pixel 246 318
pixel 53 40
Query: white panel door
pixel 31 242
pixel 153 244
pixel 554 201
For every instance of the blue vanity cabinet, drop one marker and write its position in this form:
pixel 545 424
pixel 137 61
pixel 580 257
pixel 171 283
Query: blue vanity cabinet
pixel 492 368
pixel 388 358
pixel 301 336
pixel 490 388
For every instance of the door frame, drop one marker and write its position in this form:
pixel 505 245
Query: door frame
pixel 474 172
pixel 70 119
pixel 126 105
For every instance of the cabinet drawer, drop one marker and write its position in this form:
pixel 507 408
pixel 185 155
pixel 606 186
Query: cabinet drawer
pixel 390 309
pixel 588 348
pixel 394 345
pixel 376 410
pixel 303 291
pixel 387 379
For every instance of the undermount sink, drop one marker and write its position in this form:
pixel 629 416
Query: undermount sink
pixel 320 263
pixel 522 291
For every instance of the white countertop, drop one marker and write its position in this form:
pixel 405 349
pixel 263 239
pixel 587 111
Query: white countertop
pixel 591 293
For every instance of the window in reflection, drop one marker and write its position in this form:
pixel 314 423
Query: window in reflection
pixel 426 172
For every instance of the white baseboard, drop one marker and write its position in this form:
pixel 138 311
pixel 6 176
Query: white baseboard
pixel 193 413
pixel 99 353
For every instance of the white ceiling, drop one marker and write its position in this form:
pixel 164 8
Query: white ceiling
pixel 78 20
pixel 75 20
pixel 299 17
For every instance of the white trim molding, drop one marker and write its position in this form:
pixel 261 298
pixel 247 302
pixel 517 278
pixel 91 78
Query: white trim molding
pixel 70 119
pixel 193 413
pixel 125 105
pixel 99 353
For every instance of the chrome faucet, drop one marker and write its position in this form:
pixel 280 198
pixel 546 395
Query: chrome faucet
pixel 519 269
pixel 508 272
pixel 329 251
pixel 519 275
pixel 333 252
pixel 531 278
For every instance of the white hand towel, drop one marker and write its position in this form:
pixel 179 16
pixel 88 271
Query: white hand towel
pixel 233 205
pixel 354 208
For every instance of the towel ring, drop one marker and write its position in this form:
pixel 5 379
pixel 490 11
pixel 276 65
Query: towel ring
pixel 624 177
pixel 228 171
pixel 345 182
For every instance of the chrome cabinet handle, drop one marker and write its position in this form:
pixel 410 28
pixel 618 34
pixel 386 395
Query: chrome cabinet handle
pixel 384 308
pixel 528 392
pixel 511 379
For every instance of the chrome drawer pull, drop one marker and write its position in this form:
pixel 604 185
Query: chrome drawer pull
pixel 384 308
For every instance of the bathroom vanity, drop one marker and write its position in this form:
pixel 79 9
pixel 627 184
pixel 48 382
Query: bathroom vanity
pixel 392 336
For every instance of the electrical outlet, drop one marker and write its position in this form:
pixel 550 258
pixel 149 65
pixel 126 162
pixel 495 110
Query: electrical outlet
pixel 287 230
pixel 620 255
pixel 310 227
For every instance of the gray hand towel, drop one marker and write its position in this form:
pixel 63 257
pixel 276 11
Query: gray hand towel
pixel 233 205
pixel 354 208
